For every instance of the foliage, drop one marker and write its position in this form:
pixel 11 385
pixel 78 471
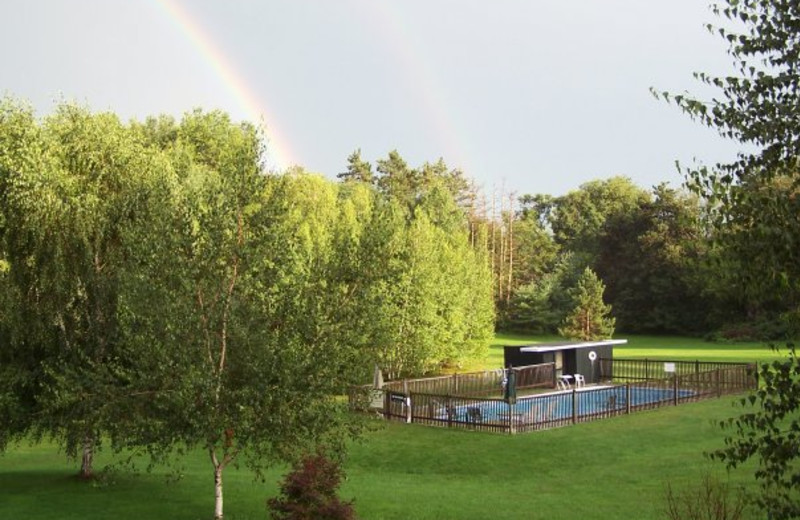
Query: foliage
pixel 421 294
pixel 541 305
pixel 426 293
pixel 754 208
pixel 358 170
pixel 577 218
pixel 71 187
pixel 753 201
pixel 309 492
pixel 237 291
pixel 710 500
pixel 649 249
pixel 590 319
pixel 651 261
pixel 770 432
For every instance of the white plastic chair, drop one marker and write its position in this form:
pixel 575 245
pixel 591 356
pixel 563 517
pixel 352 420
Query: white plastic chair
pixel 579 380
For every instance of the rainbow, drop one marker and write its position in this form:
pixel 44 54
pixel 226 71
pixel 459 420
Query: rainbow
pixel 279 154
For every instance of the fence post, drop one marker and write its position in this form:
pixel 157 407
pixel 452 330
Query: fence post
pixel 512 429
pixel 675 389
pixel 755 371
pixel 719 389
pixel 449 411
pixel 574 405
pixel 646 370
pixel 627 398
pixel 409 404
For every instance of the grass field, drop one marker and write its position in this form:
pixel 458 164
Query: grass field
pixel 654 347
pixel 615 468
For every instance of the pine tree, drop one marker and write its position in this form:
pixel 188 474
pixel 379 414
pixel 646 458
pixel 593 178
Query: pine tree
pixel 590 318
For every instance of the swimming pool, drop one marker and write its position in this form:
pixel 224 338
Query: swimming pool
pixel 558 406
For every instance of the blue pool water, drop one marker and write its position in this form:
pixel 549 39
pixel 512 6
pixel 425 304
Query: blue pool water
pixel 557 406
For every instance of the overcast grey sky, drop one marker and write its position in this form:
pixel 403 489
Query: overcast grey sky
pixel 539 95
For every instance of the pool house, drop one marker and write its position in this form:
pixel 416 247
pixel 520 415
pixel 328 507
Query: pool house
pixel 571 360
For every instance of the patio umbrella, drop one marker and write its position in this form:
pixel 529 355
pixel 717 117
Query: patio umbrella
pixel 510 393
pixel 377 378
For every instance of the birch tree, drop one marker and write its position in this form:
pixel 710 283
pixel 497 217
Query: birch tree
pixel 70 187
pixel 230 307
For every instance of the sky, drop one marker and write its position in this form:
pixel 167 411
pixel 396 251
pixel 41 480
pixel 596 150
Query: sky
pixel 524 96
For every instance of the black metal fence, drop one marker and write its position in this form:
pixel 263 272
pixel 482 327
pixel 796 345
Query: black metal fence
pixel 486 383
pixel 554 409
pixel 649 369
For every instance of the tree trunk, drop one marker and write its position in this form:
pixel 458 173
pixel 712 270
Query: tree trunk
pixel 510 247
pixel 218 492
pixel 87 457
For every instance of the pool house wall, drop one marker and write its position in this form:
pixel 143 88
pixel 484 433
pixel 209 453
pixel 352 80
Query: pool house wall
pixel 575 358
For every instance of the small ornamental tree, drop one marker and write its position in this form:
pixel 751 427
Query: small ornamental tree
pixel 309 492
pixel 590 319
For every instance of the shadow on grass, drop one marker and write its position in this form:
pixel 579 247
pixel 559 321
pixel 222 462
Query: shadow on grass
pixel 63 495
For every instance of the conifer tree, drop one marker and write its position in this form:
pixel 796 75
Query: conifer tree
pixel 590 319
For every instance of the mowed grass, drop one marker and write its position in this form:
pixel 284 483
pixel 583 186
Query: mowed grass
pixel 614 468
pixel 656 347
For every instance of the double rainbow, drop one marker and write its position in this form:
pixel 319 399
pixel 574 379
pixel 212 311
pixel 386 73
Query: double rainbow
pixel 427 90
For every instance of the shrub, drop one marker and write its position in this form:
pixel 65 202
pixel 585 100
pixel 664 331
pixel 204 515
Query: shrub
pixel 308 492
pixel 710 500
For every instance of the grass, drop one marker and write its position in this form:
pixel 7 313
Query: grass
pixel 615 468
pixel 655 347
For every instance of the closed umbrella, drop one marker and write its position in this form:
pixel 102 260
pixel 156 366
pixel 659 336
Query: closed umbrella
pixel 510 393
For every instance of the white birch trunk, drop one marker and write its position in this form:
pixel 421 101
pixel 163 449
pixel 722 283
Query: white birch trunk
pixel 217 492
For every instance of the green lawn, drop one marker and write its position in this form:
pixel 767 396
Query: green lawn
pixel 615 468
pixel 655 347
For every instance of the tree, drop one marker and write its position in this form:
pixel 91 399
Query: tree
pixel 71 187
pixel 770 432
pixel 358 170
pixel 577 218
pixel 651 261
pixel 424 292
pixel 231 310
pixel 754 208
pixel 590 319
pixel 397 180
pixel 542 305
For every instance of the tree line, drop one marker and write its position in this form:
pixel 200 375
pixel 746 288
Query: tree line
pixel 656 254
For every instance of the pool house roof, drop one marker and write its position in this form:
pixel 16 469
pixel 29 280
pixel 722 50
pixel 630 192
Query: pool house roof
pixel 569 345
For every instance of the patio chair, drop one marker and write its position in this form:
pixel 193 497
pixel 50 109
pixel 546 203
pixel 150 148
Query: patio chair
pixel 474 414
pixel 579 380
